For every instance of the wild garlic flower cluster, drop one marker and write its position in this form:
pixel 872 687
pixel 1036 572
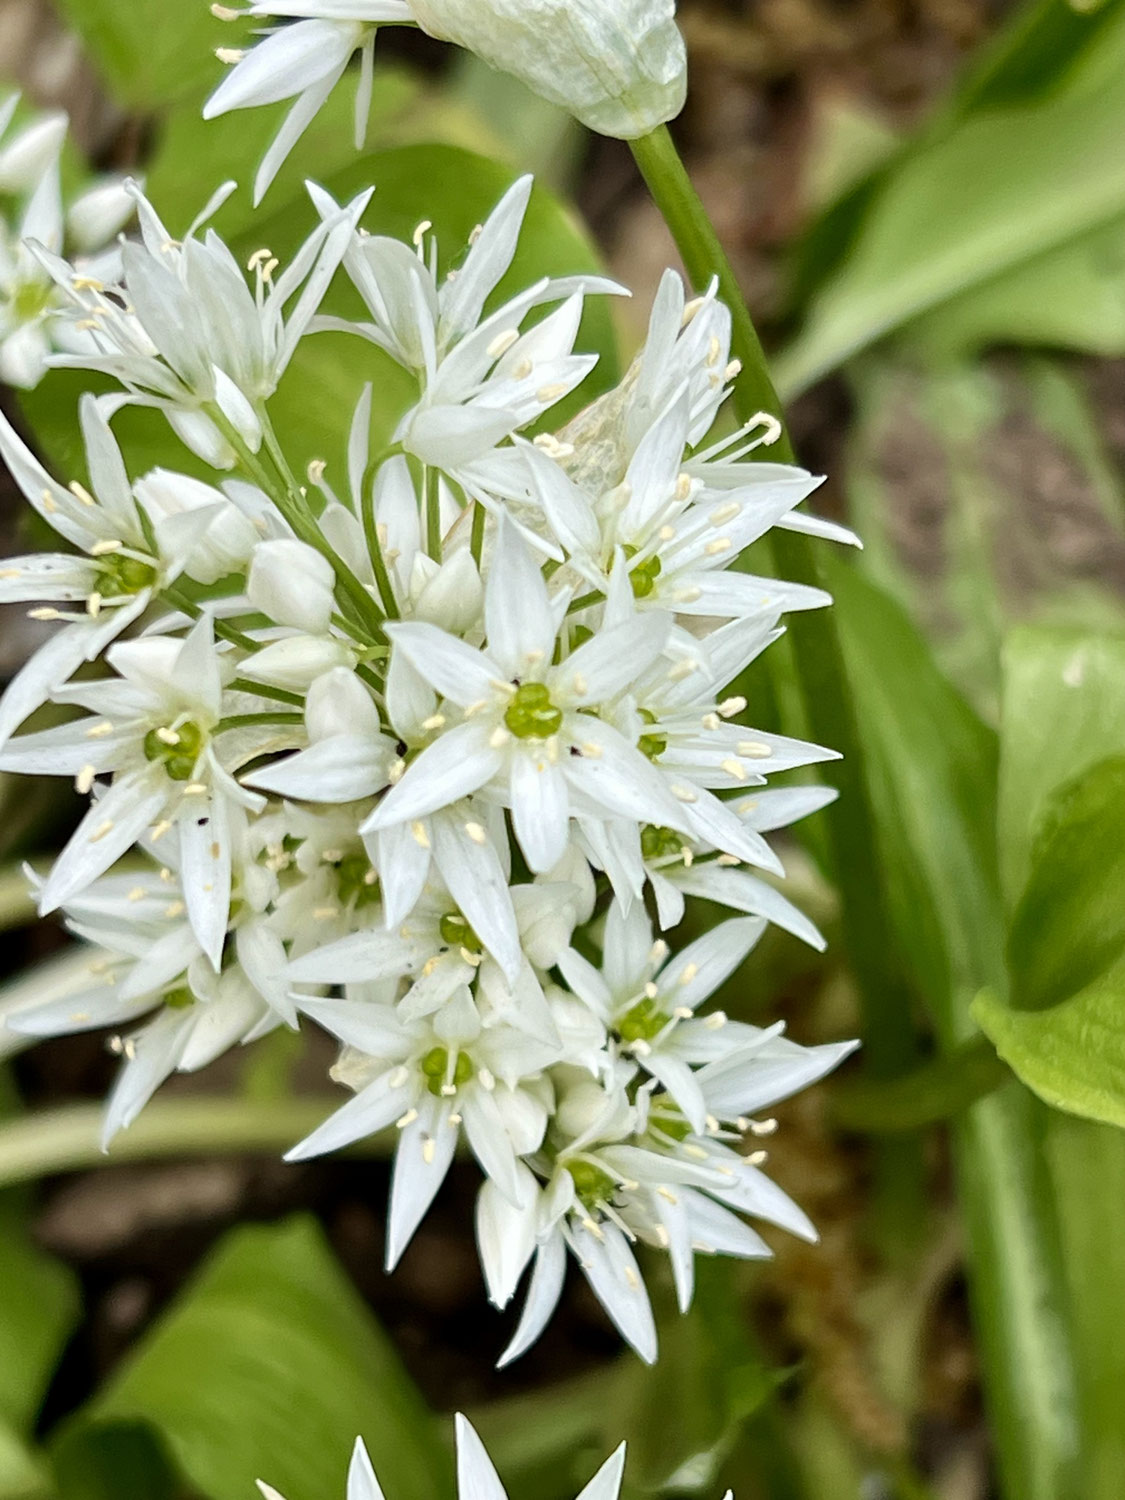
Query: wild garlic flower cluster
pixel 477 1478
pixel 619 66
pixel 430 752
pixel 31 327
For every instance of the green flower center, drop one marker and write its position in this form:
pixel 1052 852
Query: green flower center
pixel 181 998
pixel 643 1022
pixel 179 749
pixel 458 933
pixel 592 1183
pixel 651 745
pixel 122 574
pixel 531 715
pixel 643 577
pixel 673 1126
pixel 356 881
pixel 30 299
pixel 659 843
pixel 435 1068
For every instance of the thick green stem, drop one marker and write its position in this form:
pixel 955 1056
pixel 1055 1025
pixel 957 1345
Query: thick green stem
pixel 888 1034
pixel 68 1139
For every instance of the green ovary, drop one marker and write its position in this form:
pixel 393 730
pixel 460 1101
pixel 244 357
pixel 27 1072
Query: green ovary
pixel 651 745
pixel 592 1183
pixel 355 882
pixel 659 843
pixel 179 758
pixel 122 574
pixel 181 998
pixel 435 1068
pixel 643 577
pixel 642 1023
pixel 531 715
pixel 458 933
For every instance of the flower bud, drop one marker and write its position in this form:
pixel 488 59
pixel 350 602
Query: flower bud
pixel 619 65
pixel 229 540
pixel 338 703
pixel 292 584
pixel 451 596
pixel 296 662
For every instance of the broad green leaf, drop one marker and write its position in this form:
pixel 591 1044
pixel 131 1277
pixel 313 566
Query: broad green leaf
pixel 38 1306
pixel 23 1476
pixel 150 51
pixel 934 770
pixel 267 1366
pixel 194 155
pixel 1024 63
pixel 985 499
pixel 1072 297
pixel 1069 927
pixel 1087 1166
pixel 1073 1055
pixel 1002 188
pixel 1063 711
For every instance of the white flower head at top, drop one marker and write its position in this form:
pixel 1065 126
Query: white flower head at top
pixel 477 1479
pixel 619 66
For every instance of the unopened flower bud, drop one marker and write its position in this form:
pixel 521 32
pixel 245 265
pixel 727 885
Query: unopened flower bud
pixel 619 65
pixel 452 597
pixel 292 584
pixel 338 703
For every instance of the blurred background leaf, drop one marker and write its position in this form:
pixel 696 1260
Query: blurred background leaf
pixel 268 1364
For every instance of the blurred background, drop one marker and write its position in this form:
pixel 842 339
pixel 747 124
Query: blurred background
pixel 925 203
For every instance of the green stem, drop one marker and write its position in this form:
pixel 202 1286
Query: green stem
pixel 433 514
pixel 374 545
pixel 250 721
pixel 68 1139
pixel 222 629
pixel 929 1095
pixel 267 690
pixel 476 537
pixel 355 601
pixel 889 1046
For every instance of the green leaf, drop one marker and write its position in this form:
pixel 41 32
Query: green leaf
pixel 934 775
pixel 1063 710
pixel 150 51
pixel 38 1306
pixel 1073 1055
pixel 267 1366
pixel 1087 1166
pixel 1004 187
pixel 1069 927
pixel 681 1415
pixel 1071 297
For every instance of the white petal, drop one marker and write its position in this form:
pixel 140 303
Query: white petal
pixel 422 1160
pixel 372 1110
pixel 343 768
pixel 540 808
pixel 542 1297
pixel 458 763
